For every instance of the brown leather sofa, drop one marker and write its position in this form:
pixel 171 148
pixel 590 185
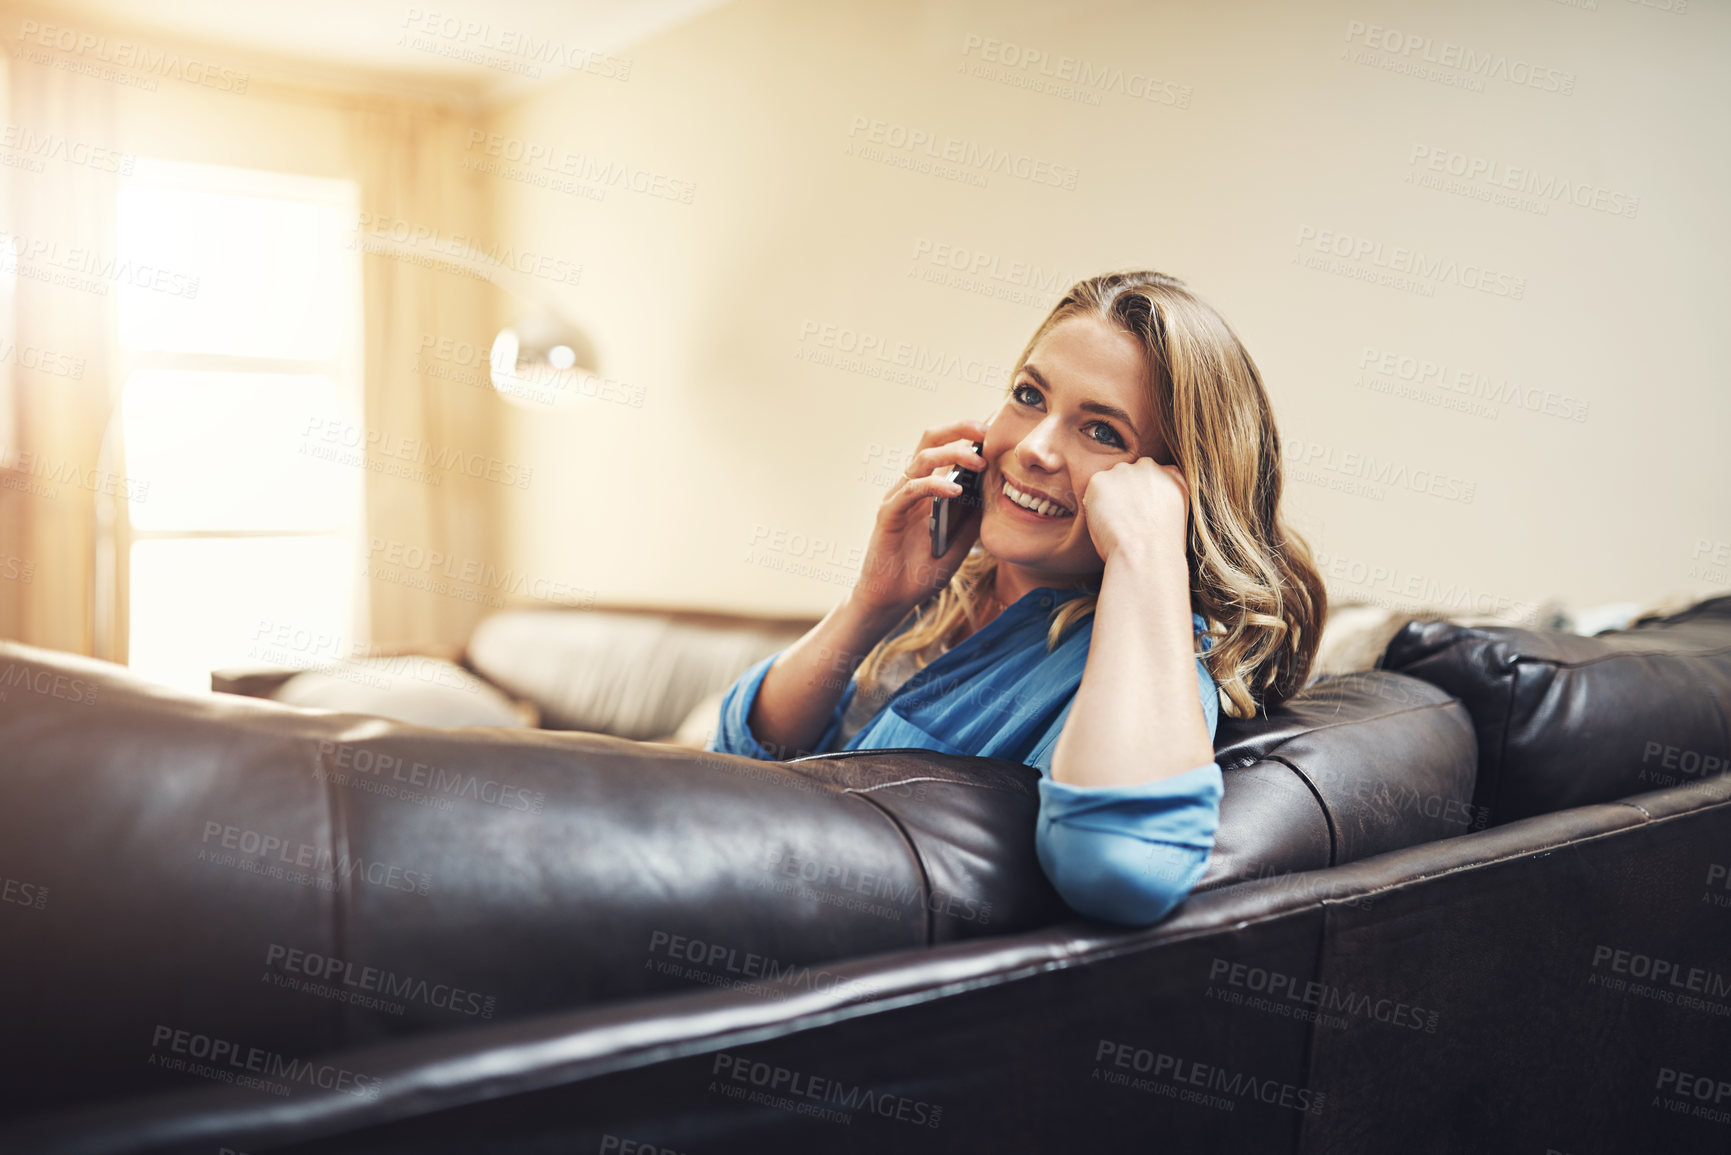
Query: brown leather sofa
pixel 1476 900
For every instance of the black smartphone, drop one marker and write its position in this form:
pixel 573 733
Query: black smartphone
pixel 948 513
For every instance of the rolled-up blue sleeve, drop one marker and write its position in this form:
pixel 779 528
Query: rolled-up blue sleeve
pixel 733 732
pixel 1129 854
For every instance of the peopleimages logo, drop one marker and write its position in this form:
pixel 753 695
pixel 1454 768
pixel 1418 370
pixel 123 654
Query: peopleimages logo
pixel 346 756
pixel 1697 1096
pixel 1020 282
pixel 556 160
pixel 88 48
pixel 1672 974
pixel 377 233
pixel 808 1094
pixel 340 441
pixel 1546 187
pixel 60 472
pixel 1690 762
pixel 869 884
pixel 1322 996
pixel 1382 368
pixel 47 683
pixel 1411 47
pixel 39 146
pixel 21 893
pixel 323 970
pixel 512 49
pixel 1174 1072
pixel 820 338
pixel 88 270
pixel 276 852
pixel 1067 77
pixel 406 564
pixel 1306 457
pixel 717 964
pixel 982 159
pixel 229 1062
pixel 1398 266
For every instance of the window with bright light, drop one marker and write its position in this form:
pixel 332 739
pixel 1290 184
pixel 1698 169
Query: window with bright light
pixel 242 345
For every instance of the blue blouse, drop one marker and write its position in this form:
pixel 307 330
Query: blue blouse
pixel 1123 854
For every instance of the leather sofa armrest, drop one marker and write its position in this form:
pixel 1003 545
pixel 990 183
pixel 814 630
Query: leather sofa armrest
pixel 264 681
pixel 528 712
pixel 250 681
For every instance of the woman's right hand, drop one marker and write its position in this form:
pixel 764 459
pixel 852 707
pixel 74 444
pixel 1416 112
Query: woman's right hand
pixel 899 570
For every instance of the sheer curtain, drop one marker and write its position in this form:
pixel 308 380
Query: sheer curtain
pixel 60 226
pixel 408 162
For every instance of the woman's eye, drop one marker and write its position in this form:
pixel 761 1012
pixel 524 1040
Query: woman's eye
pixel 1116 442
pixel 1028 395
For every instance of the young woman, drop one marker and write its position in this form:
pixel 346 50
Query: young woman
pixel 1131 553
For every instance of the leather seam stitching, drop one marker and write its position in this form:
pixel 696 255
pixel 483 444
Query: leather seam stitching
pixel 913 852
pixel 1255 756
pixel 1494 803
pixel 1559 664
pixel 912 781
pixel 340 904
pixel 1327 817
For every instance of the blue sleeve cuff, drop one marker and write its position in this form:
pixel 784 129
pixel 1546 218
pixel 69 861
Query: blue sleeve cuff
pixel 1128 854
pixel 733 732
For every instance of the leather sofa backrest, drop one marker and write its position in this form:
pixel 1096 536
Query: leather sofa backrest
pixel 1353 765
pixel 300 881
pixel 1564 720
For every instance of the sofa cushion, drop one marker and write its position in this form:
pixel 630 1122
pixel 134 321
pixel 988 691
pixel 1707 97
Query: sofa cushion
pixel 410 688
pixel 632 675
pixel 1564 720
pixel 1353 765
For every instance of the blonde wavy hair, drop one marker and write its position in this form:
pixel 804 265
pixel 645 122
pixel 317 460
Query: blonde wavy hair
pixel 1252 578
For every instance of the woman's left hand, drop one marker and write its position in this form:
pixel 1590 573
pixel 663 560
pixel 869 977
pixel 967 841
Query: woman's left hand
pixel 1139 505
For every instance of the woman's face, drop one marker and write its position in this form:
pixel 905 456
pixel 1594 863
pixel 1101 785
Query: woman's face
pixel 1079 406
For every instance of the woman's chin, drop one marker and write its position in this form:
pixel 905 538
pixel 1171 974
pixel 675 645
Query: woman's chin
pixel 1011 542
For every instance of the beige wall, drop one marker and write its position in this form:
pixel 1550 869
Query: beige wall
pixel 1269 132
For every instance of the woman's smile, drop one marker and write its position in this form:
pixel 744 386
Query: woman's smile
pixel 1013 501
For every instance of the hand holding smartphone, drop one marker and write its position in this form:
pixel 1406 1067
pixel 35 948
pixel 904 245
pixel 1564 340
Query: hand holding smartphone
pixel 949 513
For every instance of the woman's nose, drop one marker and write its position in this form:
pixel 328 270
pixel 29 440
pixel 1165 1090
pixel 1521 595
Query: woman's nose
pixel 1038 449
